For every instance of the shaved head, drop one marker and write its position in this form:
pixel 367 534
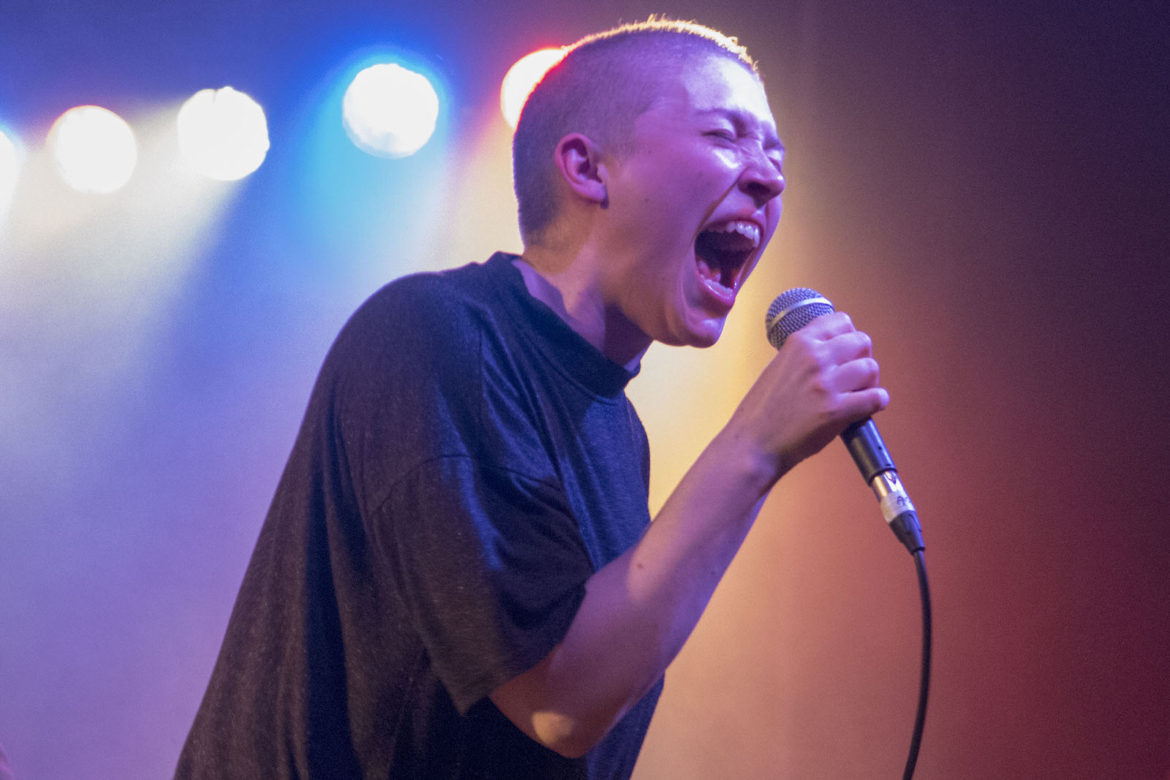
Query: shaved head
pixel 604 83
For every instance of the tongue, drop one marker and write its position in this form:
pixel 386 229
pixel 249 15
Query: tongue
pixel 719 254
pixel 712 276
pixel 711 251
pixel 707 271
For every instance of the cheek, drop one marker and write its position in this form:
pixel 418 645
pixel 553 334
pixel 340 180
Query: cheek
pixel 689 189
pixel 706 169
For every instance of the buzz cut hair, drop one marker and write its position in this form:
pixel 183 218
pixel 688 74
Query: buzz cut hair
pixel 604 82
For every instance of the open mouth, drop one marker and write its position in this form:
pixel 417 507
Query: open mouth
pixel 724 249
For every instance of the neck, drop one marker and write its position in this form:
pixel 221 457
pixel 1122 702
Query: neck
pixel 575 293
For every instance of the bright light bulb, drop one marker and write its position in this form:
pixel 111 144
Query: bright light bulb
pixel 94 149
pixel 223 134
pixel 389 111
pixel 522 78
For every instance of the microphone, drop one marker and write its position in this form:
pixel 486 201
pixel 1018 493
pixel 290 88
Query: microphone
pixel 790 312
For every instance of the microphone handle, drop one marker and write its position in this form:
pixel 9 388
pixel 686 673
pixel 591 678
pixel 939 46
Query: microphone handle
pixel 877 468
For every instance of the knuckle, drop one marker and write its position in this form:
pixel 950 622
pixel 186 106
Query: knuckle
pixel 804 337
pixel 822 358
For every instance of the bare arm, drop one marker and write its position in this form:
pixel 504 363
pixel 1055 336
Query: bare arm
pixel 639 610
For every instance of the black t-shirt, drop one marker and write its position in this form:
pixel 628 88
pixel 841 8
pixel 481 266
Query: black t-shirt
pixel 466 462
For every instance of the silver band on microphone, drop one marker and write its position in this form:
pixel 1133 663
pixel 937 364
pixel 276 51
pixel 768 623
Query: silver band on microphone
pixel 798 305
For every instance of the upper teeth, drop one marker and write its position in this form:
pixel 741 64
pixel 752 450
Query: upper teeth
pixel 748 230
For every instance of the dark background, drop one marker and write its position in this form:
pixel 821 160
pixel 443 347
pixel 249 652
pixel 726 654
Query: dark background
pixel 982 185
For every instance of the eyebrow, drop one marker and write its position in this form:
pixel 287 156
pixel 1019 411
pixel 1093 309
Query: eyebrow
pixel 744 119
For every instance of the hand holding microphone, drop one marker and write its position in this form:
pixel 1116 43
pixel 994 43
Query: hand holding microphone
pixel 790 313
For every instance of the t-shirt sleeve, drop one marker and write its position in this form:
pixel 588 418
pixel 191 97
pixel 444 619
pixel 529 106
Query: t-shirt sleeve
pixel 458 492
pixel 489 565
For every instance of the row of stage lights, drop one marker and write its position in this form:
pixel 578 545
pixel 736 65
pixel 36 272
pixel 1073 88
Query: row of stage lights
pixel 222 134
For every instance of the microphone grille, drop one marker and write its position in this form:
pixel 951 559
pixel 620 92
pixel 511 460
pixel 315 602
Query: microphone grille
pixel 791 311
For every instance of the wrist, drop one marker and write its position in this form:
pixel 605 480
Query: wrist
pixel 749 465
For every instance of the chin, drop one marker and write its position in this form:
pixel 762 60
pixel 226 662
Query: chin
pixel 704 334
pixel 688 324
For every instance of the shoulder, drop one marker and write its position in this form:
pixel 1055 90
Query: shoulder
pixel 425 332
pixel 430 310
pixel 412 307
pixel 418 317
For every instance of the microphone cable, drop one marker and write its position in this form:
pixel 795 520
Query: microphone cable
pixel 924 680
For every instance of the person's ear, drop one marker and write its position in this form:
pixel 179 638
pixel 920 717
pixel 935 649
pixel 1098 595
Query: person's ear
pixel 578 163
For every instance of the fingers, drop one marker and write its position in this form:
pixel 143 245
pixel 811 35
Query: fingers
pixel 844 357
pixel 836 331
pixel 864 403
pixel 846 348
pixel 859 374
pixel 832 343
pixel 853 373
pixel 827 326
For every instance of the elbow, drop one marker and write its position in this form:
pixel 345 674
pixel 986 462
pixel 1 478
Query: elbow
pixel 568 730
pixel 565 735
pixel 564 721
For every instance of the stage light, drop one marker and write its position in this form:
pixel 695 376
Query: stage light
pixel 94 149
pixel 222 134
pixel 522 77
pixel 389 111
pixel 9 169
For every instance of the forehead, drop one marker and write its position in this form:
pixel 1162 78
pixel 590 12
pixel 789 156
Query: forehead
pixel 717 87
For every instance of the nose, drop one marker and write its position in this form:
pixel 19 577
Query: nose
pixel 762 178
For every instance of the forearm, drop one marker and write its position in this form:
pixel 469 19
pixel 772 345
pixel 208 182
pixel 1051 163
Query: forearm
pixel 639 610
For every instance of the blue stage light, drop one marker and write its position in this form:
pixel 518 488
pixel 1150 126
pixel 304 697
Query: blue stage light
pixel 389 111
